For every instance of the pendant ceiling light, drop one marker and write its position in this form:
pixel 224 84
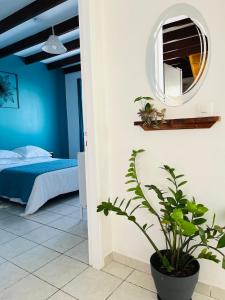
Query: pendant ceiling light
pixel 53 45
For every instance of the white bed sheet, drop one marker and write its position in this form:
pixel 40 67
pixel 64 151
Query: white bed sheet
pixel 48 185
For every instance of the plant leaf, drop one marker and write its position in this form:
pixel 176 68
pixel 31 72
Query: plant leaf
pixel 142 98
pixel 166 264
pixel 201 210
pixel 182 183
pixel 202 235
pixel 199 221
pixel 191 207
pixel 208 255
pixel 177 215
pixel 223 262
pixel 218 228
pixel 187 227
pixel 130 181
pixel 156 190
pixel 221 242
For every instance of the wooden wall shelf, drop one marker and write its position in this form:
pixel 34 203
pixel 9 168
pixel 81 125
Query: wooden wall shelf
pixel 186 123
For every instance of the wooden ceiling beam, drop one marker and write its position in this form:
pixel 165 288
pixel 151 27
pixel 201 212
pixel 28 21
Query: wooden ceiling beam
pixel 174 61
pixel 178 23
pixel 70 46
pixel 40 37
pixel 72 69
pixel 182 44
pixel 181 52
pixel 64 62
pixel 26 13
pixel 180 34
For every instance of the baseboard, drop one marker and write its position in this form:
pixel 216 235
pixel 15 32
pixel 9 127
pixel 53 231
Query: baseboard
pixel 201 288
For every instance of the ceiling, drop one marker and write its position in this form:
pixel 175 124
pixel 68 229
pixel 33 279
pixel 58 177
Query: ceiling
pixel 181 39
pixel 26 24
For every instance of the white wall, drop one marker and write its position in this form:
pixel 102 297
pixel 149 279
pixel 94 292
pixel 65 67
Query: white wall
pixel 200 154
pixel 72 113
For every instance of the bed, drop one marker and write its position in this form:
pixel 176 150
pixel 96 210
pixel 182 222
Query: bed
pixel 33 181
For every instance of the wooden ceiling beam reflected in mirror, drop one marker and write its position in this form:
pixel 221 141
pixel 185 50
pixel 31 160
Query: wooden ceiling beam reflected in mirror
pixel 181 39
pixel 181 44
pixel 183 53
pixel 181 22
pixel 179 34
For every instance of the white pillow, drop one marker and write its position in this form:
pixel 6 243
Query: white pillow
pixel 9 161
pixel 32 152
pixel 9 154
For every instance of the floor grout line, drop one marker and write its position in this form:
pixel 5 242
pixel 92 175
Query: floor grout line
pixel 36 244
pixel 60 254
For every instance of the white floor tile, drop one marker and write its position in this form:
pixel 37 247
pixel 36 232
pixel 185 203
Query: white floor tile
pixel 128 291
pixel 9 275
pixel 118 270
pixel 42 234
pixel 83 214
pixel 202 288
pixel 92 285
pixel 80 229
pixel 4 213
pixel 18 225
pixel 61 270
pixel 35 258
pixel 65 209
pixel 6 236
pixel 73 200
pixel 80 252
pixel 30 288
pixel 61 296
pixel 63 242
pixel 2 260
pixel 65 223
pixel 200 297
pixel 142 279
pixel 15 247
pixel 43 217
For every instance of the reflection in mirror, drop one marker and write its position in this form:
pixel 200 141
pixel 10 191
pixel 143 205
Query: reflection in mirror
pixel 181 52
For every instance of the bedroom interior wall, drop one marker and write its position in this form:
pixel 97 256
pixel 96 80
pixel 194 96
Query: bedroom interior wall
pixel 72 113
pixel 41 119
pixel 197 153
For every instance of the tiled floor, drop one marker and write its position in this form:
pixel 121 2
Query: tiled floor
pixel 45 256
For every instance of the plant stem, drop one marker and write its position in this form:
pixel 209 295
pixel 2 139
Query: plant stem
pixel 149 239
pixel 203 245
pixel 155 212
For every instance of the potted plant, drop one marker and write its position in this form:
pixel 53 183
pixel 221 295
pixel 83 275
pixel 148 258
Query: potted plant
pixel 187 235
pixel 149 114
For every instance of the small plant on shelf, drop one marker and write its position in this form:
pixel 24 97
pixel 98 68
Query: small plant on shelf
pixel 183 225
pixel 149 114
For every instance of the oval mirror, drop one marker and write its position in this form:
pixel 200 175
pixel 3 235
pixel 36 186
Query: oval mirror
pixel 181 53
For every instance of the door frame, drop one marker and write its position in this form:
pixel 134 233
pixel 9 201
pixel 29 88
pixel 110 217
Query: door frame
pixel 95 230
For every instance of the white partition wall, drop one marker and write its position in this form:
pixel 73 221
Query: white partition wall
pixel 115 36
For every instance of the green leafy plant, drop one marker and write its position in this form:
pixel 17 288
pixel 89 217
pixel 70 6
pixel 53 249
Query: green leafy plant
pixel 149 114
pixel 182 221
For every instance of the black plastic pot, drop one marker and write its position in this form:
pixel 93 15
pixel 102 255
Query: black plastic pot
pixel 171 287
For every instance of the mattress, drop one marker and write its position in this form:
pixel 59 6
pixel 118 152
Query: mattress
pixel 47 185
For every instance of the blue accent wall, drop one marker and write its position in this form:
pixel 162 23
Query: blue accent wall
pixel 41 119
